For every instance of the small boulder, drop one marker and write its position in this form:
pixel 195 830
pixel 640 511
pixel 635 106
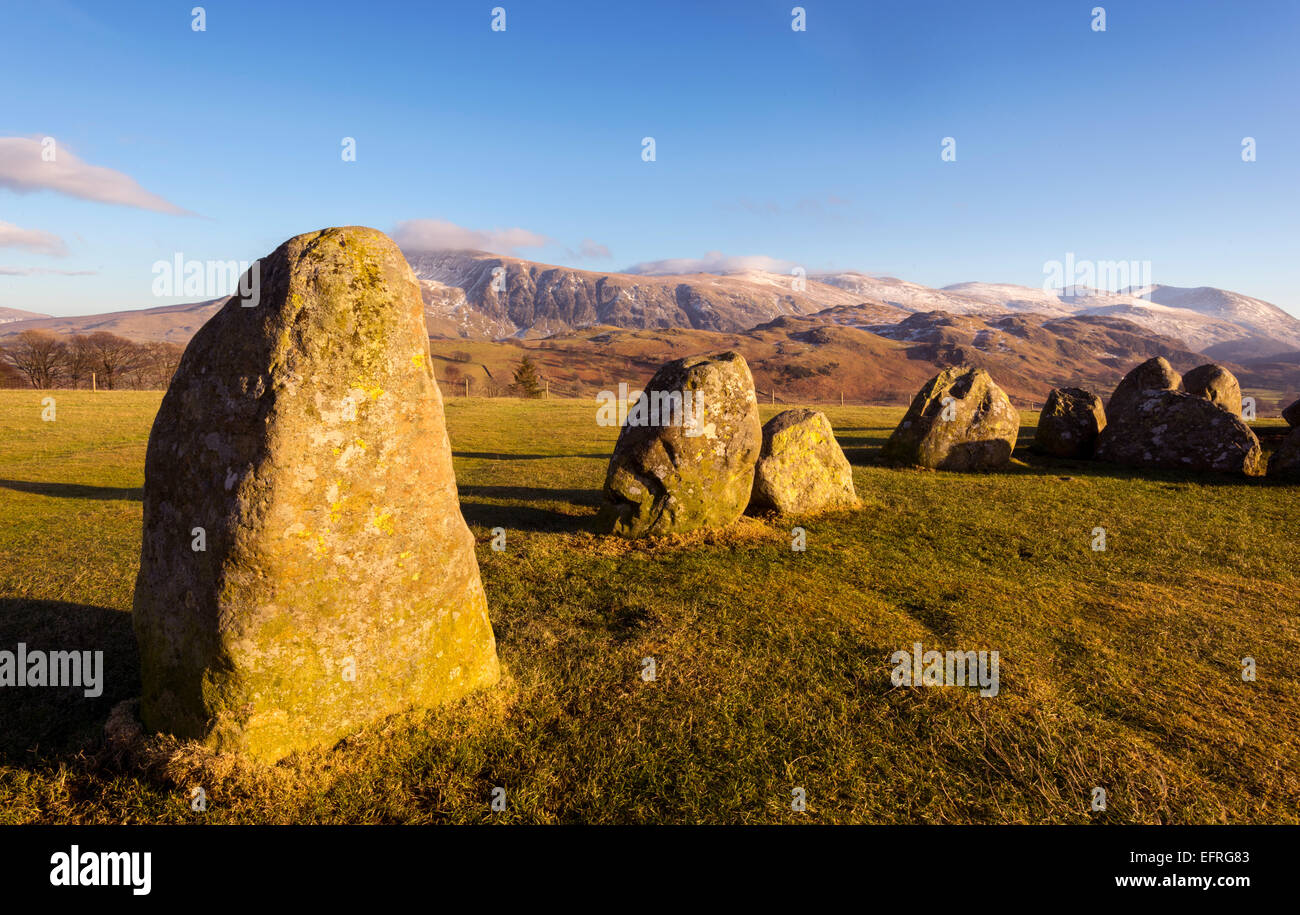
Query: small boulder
pixel 1215 384
pixel 960 420
pixel 1070 422
pixel 1285 461
pixel 1292 414
pixel 801 469
pixel 1178 431
pixel 685 456
pixel 1153 375
pixel 305 568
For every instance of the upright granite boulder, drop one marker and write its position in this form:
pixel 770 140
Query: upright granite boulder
pixel 1070 422
pixel 801 468
pixel 1284 464
pixel 305 567
pixel 1174 430
pixel 960 420
pixel 1217 385
pixel 685 456
pixel 1153 375
pixel 1292 414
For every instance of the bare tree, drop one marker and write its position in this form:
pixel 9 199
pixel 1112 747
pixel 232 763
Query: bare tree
pixel 39 355
pixel 80 362
pixel 158 363
pixel 10 377
pixel 112 357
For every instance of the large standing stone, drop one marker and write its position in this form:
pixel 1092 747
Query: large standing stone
pixel 1153 375
pixel 1179 431
pixel 960 420
pixel 1284 464
pixel 1070 422
pixel 685 456
pixel 1217 385
pixel 1292 414
pixel 801 468
pixel 337 581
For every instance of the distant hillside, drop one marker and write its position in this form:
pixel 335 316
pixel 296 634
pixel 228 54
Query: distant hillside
pixel 874 338
pixel 810 359
pixel 9 315
pixel 169 323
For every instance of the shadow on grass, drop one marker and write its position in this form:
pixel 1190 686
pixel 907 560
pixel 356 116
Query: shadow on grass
pixel 533 494
pixel 504 456
pixel 526 518
pixel 1036 464
pixel 62 718
pixel 75 490
pixel 863 450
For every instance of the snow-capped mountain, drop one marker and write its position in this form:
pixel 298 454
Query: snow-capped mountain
pixel 472 293
pixel 1202 317
pixel 531 300
pixel 476 295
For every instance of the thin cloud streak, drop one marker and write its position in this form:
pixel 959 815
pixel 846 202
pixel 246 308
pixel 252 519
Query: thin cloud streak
pixel 24 169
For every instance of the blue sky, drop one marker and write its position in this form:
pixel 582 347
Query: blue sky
pixel 818 148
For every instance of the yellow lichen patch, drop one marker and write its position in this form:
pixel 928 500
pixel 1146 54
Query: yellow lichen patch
pixel 418 359
pixel 382 522
pixel 336 511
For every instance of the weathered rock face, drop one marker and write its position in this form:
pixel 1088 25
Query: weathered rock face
pixel 1178 431
pixel 801 468
pixel 338 583
pixel 1284 464
pixel 1153 375
pixel 1292 414
pixel 975 430
pixel 1215 384
pixel 1070 422
pixel 673 475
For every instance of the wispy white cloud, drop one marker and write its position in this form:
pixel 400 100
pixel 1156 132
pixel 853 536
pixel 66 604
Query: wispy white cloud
pixel 34 240
pixel 440 235
pixel 713 262
pixel 26 166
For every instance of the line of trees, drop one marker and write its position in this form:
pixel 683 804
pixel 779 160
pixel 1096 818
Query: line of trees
pixel 40 359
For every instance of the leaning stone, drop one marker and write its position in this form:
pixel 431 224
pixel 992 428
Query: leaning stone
pixel 960 420
pixel 305 568
pixel 1178 431
pixel 685 456
pixel 1292 414
pixel 1070 422
pixel 1284 464
pixel 1153 375
pixel 1217 385
pixel 801 468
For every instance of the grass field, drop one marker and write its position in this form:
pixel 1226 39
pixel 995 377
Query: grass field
pixel 1119 669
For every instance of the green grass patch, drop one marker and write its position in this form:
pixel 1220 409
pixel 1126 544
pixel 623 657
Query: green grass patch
pixel 1119 669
